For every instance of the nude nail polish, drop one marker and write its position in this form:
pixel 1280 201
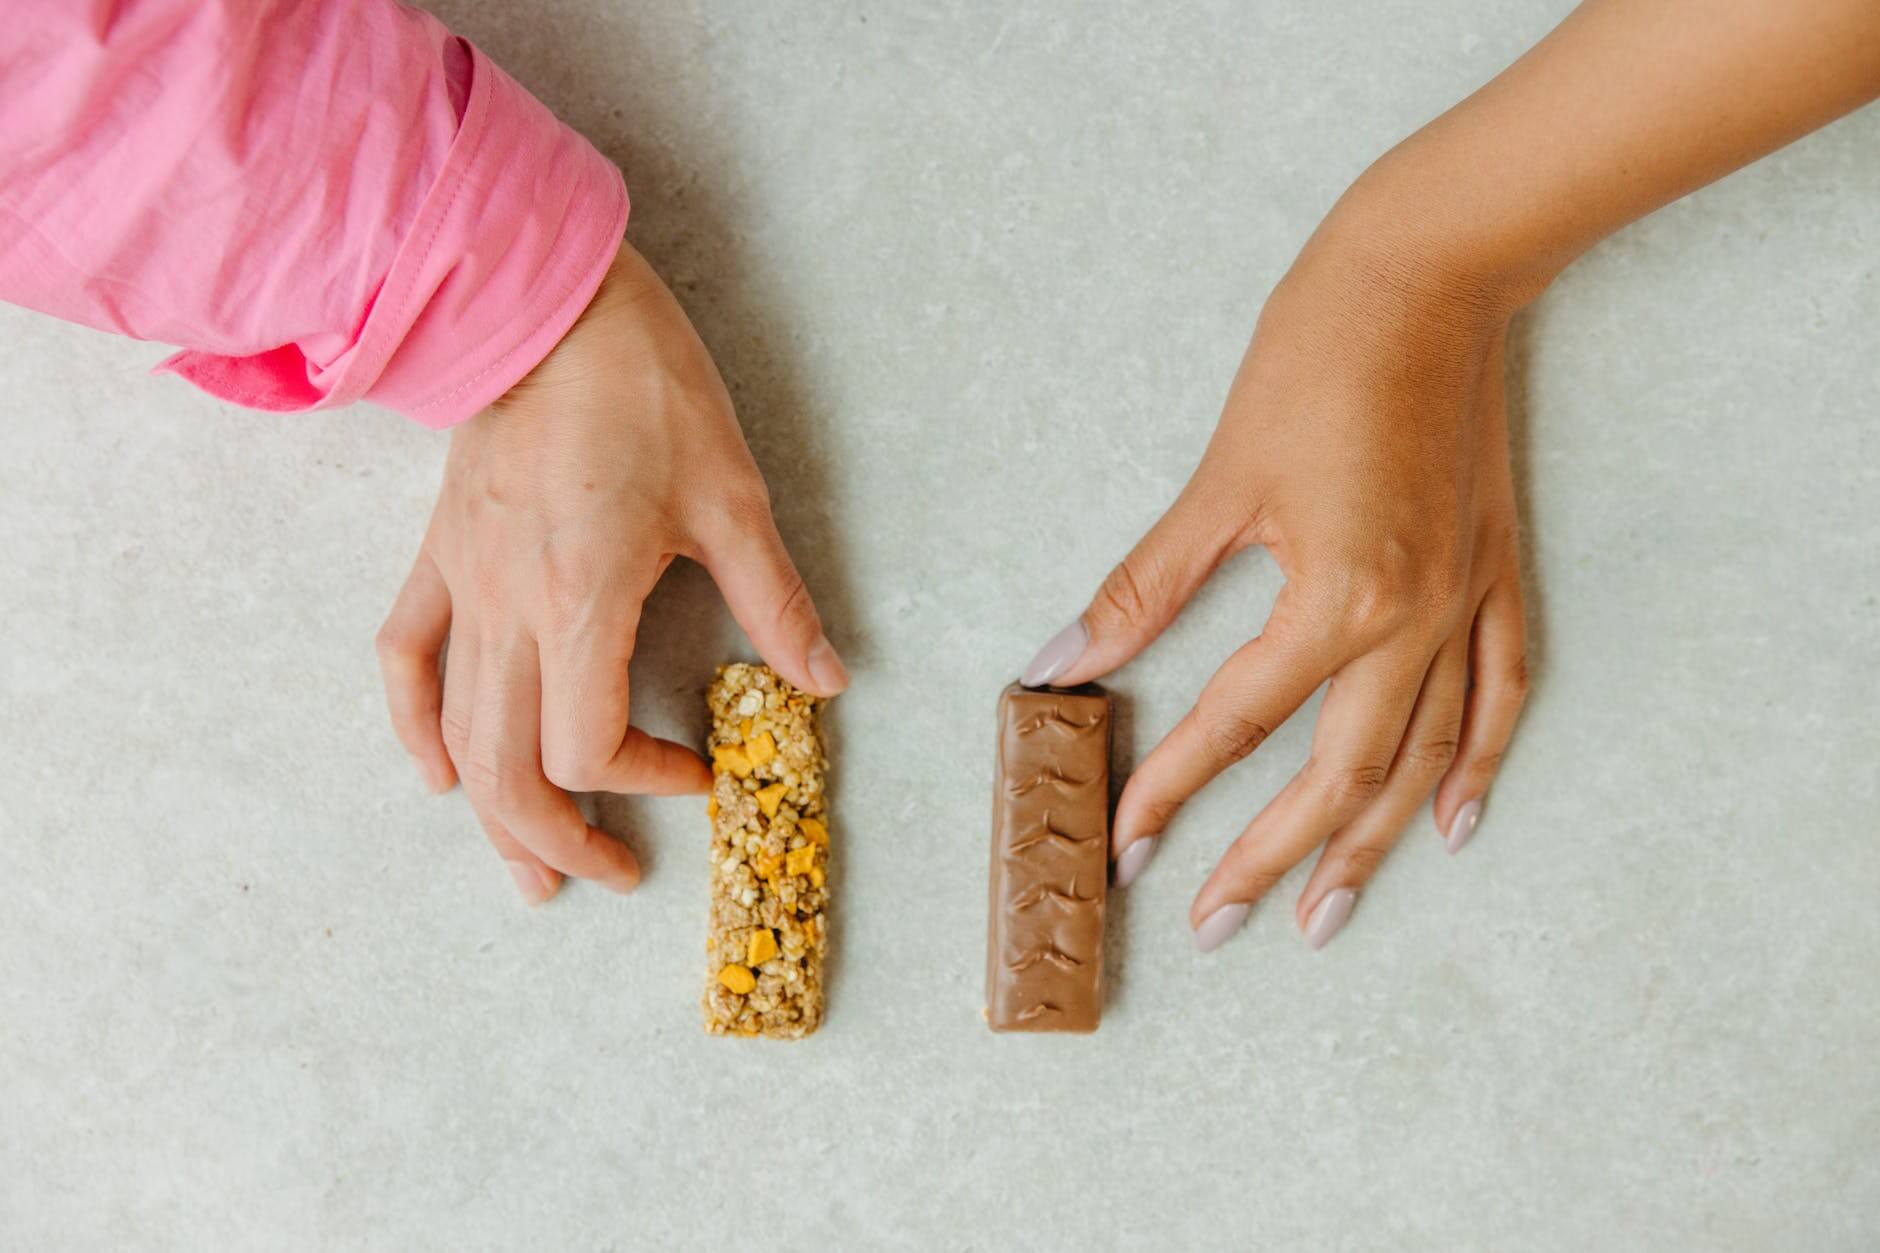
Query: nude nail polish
pixel 1462 827
pixel 1219 927
pixel 1057 656
pixel 1328 916
pixel 1133 859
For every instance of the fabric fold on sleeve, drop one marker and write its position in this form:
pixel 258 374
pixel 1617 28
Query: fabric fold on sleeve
pixel 509 245
pixel 319 201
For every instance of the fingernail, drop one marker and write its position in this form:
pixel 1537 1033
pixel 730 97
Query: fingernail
pixel 1134 859
pixel 531 882
pixel 1329 917
pixel 624 879
pixel 1462 829
pixel 827 668
pixel 437 780
pixel 1219 927
pixel 1057 656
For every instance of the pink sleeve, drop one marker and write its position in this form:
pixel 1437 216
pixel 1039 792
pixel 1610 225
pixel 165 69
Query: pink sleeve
pixel 318 201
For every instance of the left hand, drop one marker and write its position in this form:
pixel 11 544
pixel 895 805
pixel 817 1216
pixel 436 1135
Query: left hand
pixel 1364 445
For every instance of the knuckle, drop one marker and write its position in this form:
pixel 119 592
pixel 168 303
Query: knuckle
pixel 1367 601
pixel 744 507
pixel 1124 592
pixel 510 788
pixel 481 774
pixel 572 772
pixel 1362 860
pixel 1231 734
pixel 1254 876
pixel 1434 752
pixel 398 645
pixel 1393 585
pixel 1483 765
pixel 1159 812
pixel 391 642
pixel 1349 784
pixel 498 781
pixel 576 842
pixel 1518 681
pixel 637 755
pixel 796 608
pixel 455 728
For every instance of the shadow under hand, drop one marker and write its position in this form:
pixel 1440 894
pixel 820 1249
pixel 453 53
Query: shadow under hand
pixel 1125 752
pixel 1522 339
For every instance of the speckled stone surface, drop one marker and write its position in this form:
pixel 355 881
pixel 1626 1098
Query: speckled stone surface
pixel 258 991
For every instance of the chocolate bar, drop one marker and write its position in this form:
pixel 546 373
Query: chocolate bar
pixel 770 858
pixel 1050 860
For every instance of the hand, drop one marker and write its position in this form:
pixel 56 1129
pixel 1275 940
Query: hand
pixel 562 504
pixel 1364 445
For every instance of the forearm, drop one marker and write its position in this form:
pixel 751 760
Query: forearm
pixel 1626 106
pixel 319 201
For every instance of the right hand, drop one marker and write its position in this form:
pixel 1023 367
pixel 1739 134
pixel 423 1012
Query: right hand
pixel 561 506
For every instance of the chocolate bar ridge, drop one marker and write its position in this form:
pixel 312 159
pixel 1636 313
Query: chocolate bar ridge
pixel 1050 860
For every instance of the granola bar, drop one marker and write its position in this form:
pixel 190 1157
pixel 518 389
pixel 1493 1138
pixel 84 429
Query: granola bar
pixel 770 858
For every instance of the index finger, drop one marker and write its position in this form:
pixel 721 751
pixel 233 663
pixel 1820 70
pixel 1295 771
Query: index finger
pixel 1256 689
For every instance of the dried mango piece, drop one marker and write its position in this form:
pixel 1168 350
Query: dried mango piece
pixel 762 947
pixel 800 859
pixel 769 798
pixel 731 757
pixel 813 830
pixel 738 979
pixel 760 749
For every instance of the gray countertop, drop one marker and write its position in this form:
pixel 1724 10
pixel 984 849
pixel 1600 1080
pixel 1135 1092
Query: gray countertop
pixel 957 260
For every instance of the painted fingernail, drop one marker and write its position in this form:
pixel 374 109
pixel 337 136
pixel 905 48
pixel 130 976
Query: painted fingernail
pixel 1134 859
pixel 1329 916
pixel 1219 927
pixel 531 882
pixel 827 668
pixel 1462 828
pixel 1057 656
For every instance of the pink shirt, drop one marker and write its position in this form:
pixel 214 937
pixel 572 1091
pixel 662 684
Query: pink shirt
pixel 317 201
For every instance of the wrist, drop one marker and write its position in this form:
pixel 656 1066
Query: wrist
pixel 1449 241
pixel 1395 289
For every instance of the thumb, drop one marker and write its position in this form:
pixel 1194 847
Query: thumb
pixel 1140 597
pixel 770 601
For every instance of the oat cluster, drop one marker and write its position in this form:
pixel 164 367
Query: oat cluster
pixel 770 858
